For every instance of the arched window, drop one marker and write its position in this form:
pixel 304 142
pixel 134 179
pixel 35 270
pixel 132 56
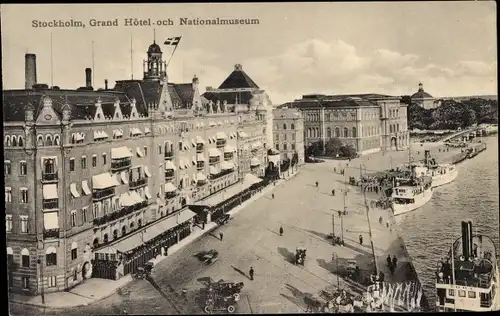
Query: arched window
pixel 346 132
pixel 397 128
pixel 132 226
pixel 48 140
pixel 139 222
pixel 284 126
pixel 57 140
pixel 96 242
pixel 329 132
pixel 10 255
pixel 20 141
pixel 309 132
pixel 124 230
pixel 115 234
pixel 74 250
pixel 25 258
pixel 390 128
pixel 354 132
pixel 106 238
pixel 337 132
pixel 39 140
pixel 48 166
pixel 51 256
pixel 14 141
pixel 7 141
pixel 292 126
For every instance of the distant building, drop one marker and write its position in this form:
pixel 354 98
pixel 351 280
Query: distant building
pixel 424 99
pixel 368 122
pixel 288 133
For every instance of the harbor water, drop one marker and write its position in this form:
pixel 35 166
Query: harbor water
pixel 429 231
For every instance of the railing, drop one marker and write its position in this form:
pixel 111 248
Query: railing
pixel 200 165
pixel 49 177
pixel 168 155
pixel 120 165
pixel 51 233
pixel 169 174
pixel 119 214
pixel 220 174
pixel 137 183
pixel 221 143
pixel 199 148
pixel 50 204
pixel 213 160
pixel 228 156
pixel 102 194
pixel 485 303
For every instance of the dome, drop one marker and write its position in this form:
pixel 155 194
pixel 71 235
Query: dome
pixel 154 48
pixel 421 94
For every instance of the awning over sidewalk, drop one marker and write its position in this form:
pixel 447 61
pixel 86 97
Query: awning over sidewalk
pixel 185 215
pixel 251 179
pixel 120 152
pixel 227 193
pixel 103 181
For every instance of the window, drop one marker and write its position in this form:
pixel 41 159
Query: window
pixel 284 146
pixel 292 126
pixel 346 132
pixel 293 146
pixel 293 136
pixel 7 167
pixel 354 132
pixel 277 137
pixel 75 275
pixel 159 149
pixel 95 210
pixel 104 159
pixel 329 132
pixel 25 258
pixel 52 281
pixel 72 164
pixel 284 126
pixel 26 282
pixel 94 161
pixel 84 162
pixel 24 195
pixel 105 207
pixel 472 294
pixel 74 250
pixel 24 224
pixel 284 136
pixel 461 293
pixel 180 145
pixel 277 146
pixel 73 218
pixel 51 256
pixel 85 214
pixel 145 150
pixel 23 168
pixel 8 195
pixel 337 132
pixel 8 223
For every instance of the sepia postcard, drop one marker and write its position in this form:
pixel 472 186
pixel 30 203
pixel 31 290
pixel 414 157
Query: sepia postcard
pixel 241 158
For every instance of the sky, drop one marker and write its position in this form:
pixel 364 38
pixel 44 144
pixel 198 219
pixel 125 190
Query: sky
pixel 296 49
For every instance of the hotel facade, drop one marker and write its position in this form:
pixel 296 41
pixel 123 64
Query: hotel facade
pixel 368 122
pixel 98 181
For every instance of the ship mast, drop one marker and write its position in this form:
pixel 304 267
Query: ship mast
pixel 453 272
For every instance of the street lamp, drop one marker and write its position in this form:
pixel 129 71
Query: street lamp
pixel 336 258
pixel 40 263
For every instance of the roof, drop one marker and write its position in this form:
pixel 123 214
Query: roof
pixel 184 93
pixel 334 103
pixel 421 94
pixel 81 102
pixel 238 79
pixel 143 91
pixel 154 48
pixel 241 97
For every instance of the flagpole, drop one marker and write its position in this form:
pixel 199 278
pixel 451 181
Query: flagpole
pixel 51 64
pixel 453 272
pixel 168 62
pixel 93 65
pixel 131 60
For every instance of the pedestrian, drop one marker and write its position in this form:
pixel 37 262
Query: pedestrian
pixel 360 239
pixel 389 260
pixel 251 273
pixel 317 183
pixel 184 294
pixel 281 231
pixel 394 261
pixel 272 195
pixel 221 235
pixel 387 224
pixel 335 169
pixel 333 192
pixel 380 220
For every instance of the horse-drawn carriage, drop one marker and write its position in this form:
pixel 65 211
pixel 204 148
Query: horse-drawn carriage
pixel 144 272
pixel 208 257
pixel 222 296
pixel 300 255
pixel 224 219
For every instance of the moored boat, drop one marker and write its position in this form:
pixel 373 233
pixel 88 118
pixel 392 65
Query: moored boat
pixel 411 196
pixel 467 279
pixel 441 174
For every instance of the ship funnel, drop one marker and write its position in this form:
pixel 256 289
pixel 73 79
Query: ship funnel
pixel 470 243
pixel 465 240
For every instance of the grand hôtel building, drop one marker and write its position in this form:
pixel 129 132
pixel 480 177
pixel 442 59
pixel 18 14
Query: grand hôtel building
pixel 368 122
pixel 91 176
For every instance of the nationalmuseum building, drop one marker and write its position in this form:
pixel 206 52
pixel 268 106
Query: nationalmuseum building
pixel 97 182
pixel 368 122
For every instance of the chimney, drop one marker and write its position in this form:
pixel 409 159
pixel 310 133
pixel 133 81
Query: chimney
pixel 465 240
pixel 30 71
pixel 88 77
pixel 105 84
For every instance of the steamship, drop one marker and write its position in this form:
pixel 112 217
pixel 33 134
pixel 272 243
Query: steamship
pixel 467 279
pixel 441 174
pixel 411 193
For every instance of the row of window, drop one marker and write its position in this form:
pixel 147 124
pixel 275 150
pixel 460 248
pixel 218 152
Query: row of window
pixel 23 167
pixel 461 293
pixel 315 132
pixel 49 140
pixel 13 141
pixel 50 256
pixel 23 219
pixel 283 137
pixel 316 117
pixel 285 146
pixel 292 126
pixel 394 113
pixel 23 195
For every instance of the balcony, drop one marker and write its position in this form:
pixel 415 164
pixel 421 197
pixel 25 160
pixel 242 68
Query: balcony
pixel 51 233
pixel 221 143
pixel 169 175
pixel 119 214
pixel 199 148
pixel 213 160
pixel 170 195
pixel 103 194
pixel 50 204
pixel 220 174
pixel 50 177
pixel 200 165
pixel 117 165
pixel 228 156
pixel 137 183
pixel 168 155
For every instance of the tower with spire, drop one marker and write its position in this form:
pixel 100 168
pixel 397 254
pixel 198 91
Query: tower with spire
pixel 154 68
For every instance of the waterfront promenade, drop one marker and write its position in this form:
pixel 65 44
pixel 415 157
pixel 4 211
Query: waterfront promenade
pixel 251 239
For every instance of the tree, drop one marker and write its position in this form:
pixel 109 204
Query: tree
pixel 332 147
pixel 295 159
pixel 315 149
pixel 348 151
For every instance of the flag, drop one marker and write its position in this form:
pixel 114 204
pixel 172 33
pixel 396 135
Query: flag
pixel 173 41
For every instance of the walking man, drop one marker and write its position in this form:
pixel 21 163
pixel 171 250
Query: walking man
pixel 394 261
pixel 184 294
pixel 251 273
pixel 281 231
pixel 221 235
pixel 272 195
pixel 333 192
pixel 360 239
pixel 389 260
